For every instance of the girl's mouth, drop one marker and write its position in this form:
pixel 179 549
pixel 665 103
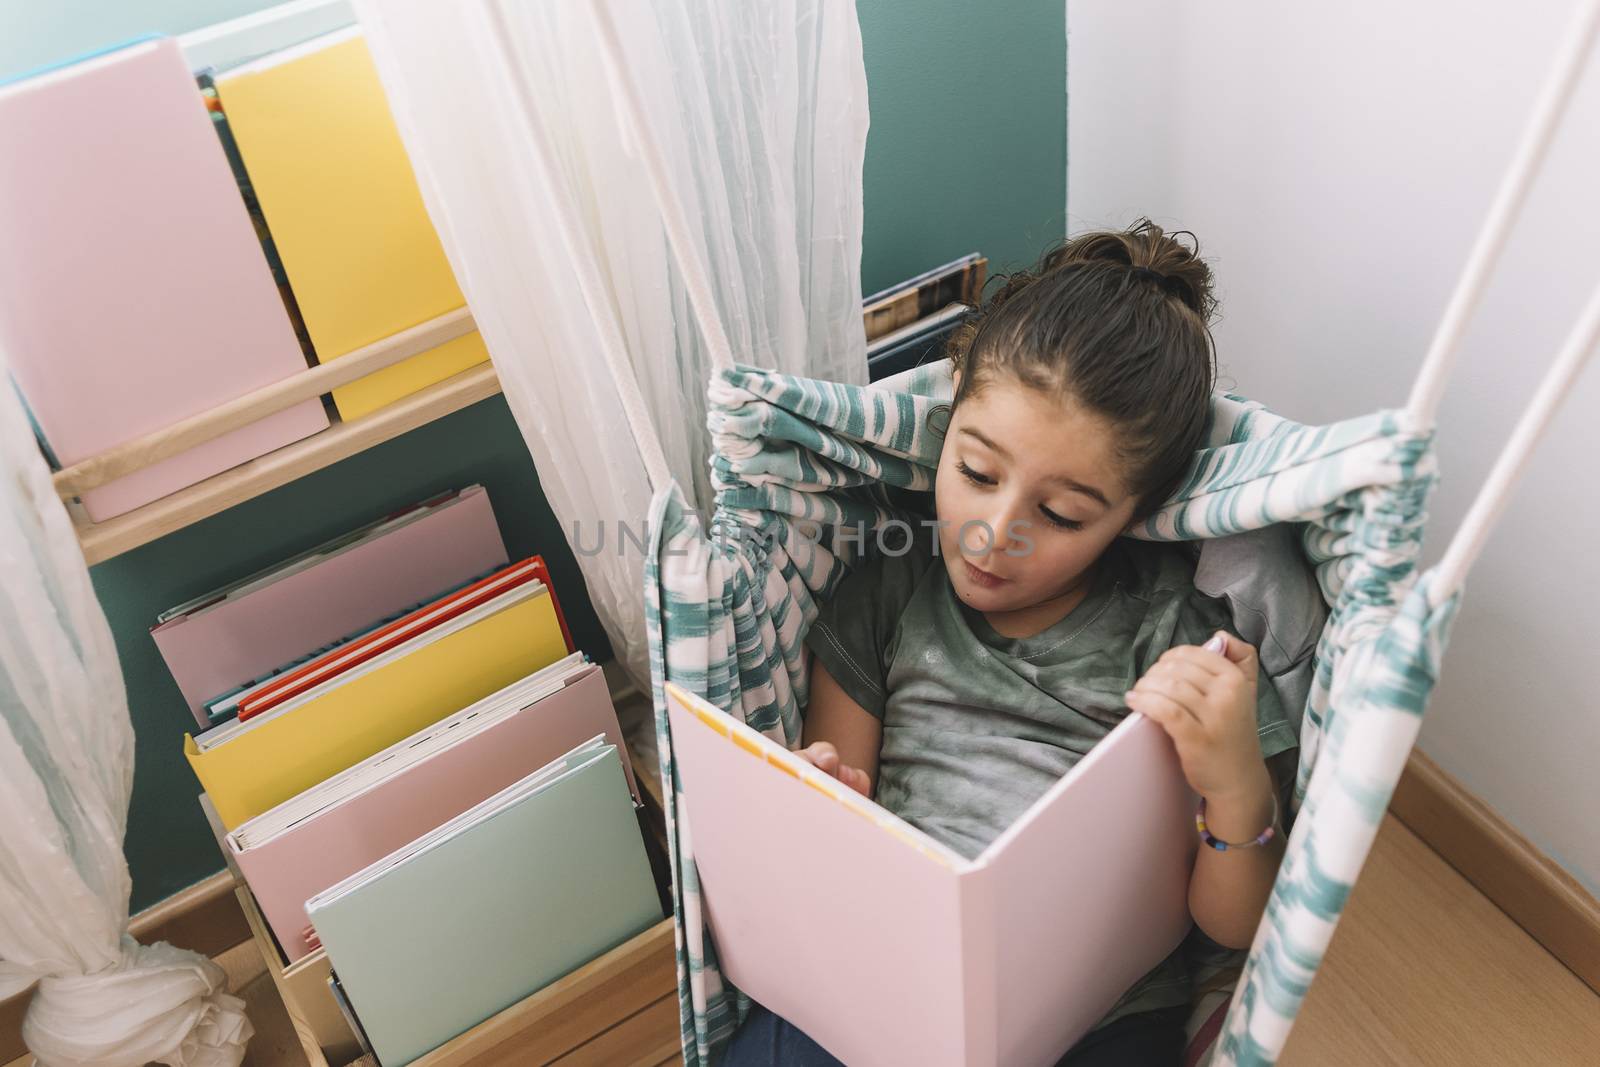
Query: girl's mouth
pixel 982 578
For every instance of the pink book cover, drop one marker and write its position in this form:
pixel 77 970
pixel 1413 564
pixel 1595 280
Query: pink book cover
pixel 222 645
pixel 885 947
pixel 328 847
pixel 133 290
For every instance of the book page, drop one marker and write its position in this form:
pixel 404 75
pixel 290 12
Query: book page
pixel 1088 891
pixel 822 907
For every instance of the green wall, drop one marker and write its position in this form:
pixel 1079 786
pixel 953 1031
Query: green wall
pixel 968 146
pixel 967 152
pixel 169 845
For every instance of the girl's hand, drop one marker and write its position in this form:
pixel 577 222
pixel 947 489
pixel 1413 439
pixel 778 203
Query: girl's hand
pixel 824 757
pixel 1205 698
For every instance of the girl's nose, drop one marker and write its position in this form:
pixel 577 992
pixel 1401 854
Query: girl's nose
pixel 996 536
pixel 1005 533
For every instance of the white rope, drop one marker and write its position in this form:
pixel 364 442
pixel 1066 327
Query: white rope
pixel 1469 540
pixel 1536 137
pixel 631 113
pixel 612 346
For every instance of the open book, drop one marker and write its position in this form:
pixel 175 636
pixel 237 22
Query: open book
pixel 886 947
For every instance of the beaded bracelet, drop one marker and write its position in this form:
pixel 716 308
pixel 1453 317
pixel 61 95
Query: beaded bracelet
pixel 1222 846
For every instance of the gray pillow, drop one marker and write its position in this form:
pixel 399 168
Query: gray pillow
pixel 1275 600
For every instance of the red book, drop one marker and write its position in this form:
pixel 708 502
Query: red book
pixel 369 646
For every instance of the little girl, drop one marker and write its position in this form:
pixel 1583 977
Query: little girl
pixel 957 680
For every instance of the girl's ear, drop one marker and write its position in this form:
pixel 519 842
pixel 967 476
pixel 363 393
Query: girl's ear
pixel 955 381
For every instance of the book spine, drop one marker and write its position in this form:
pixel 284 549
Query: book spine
pixel 349 1014
pixel 980 973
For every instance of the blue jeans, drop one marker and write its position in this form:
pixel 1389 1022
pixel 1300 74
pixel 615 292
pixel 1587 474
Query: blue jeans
pixel 1144 1039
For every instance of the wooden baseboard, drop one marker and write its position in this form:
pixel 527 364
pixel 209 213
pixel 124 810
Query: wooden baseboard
pixel 1531 888
pixel 204 918
pixel 11 1012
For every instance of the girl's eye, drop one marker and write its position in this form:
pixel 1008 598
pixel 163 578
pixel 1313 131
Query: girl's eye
pixel 972 475
pixel 1057 520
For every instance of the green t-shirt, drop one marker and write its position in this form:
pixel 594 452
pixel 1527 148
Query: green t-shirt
pixel 978 726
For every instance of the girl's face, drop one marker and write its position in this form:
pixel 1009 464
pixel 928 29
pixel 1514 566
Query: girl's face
pixel 1028 496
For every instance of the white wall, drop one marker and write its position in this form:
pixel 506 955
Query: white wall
pixel 1335 162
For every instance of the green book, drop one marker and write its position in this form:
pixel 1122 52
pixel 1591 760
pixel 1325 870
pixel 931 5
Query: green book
pixel 490 907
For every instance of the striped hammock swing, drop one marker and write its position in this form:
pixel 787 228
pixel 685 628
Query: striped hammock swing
pixel 729 599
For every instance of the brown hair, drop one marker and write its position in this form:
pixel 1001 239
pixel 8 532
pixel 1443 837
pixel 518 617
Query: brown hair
pixel 1116 321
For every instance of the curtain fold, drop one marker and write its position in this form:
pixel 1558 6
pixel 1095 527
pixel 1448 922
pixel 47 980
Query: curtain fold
pixel 553 232
pixel 66 777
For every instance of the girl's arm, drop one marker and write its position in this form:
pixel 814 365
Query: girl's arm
pixel 1205 698
pixel 840 736
pixel 1228 891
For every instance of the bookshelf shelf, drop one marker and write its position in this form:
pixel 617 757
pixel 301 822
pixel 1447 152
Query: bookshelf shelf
pixel 619 1008
pixel 103 540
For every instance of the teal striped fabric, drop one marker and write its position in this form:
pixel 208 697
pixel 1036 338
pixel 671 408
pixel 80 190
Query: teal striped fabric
pixel 728 604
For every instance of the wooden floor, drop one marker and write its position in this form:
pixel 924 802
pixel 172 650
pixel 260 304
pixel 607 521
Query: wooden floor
pixel 1422 971
pixel 1425 970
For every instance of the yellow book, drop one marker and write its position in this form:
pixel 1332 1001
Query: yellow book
pixel 265 763
pixel 342 205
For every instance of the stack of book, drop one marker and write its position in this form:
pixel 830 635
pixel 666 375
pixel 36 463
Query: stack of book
pixel 185 228
pixel 426 792
pixel 909 324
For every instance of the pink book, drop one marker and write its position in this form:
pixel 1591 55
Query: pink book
pixel 884 946
pixel 236 635
pixel 133 290
pixel 335 829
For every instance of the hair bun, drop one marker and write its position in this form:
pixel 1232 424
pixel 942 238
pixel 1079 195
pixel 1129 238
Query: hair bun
pixel 1142 254
pixel 1153 254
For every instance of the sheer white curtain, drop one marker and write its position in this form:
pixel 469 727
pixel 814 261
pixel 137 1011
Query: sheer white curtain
pixel 66 774
pixel 544 210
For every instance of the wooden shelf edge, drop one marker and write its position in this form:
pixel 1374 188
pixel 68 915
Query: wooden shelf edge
pixel 104 540
pixel 279 396
pixel 305 1029
pixel 492 1040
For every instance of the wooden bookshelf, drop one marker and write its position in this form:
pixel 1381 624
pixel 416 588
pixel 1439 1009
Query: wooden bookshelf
pixel 621 1007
